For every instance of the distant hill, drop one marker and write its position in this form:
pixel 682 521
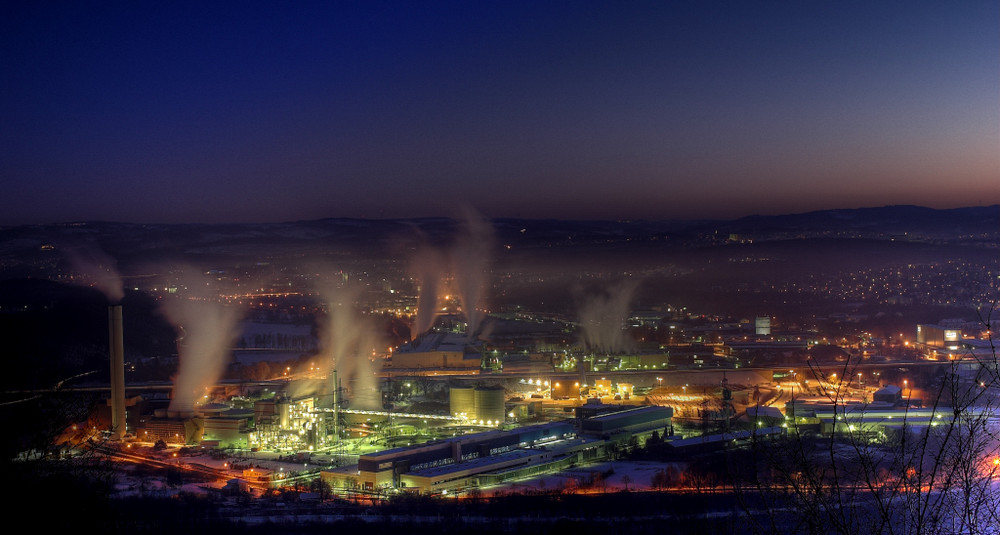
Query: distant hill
pixel 898 220
pixel 713 253
pixel 747 266
pixel 130 243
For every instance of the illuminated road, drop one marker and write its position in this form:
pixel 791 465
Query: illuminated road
pixel 221 475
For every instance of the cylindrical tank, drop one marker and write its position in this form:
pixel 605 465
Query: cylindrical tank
pixel 462 401
pixel 490 404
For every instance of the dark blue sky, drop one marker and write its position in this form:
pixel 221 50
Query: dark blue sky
pixel 254 111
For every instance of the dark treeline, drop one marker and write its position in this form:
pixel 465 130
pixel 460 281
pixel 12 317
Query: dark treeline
pixel 620 512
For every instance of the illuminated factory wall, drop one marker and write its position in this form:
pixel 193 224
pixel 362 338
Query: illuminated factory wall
pixel 437 350
pixel 226 431
pixel 172 430
pixel 565 388
pixel 939 337
pixel 641 361
pixel 636 421
pixel 762 325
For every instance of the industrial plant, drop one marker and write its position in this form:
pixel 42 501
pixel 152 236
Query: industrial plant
pixel 478 442
pixel 374 387
pixel 446 412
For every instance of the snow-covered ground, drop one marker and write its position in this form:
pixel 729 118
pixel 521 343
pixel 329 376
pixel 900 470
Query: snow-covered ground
pixel 610 476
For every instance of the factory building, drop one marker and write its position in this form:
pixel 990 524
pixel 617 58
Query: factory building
pixel 171 429
pixel 762 326
pixel 411 465
pixel 938 337
pixel 501 467
pixel 270 413
pixel 633 361
pixel 492 457
pixel 446 351
pixel 889 394
pixel 228 429
pixel 762 415
pixel 628 422
pixel 875 418
pixel 526 363
pixel 721 441
pixel 565 388
pixel 872 420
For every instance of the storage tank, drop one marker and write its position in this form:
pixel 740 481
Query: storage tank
pixel 490 404
pixel 462 400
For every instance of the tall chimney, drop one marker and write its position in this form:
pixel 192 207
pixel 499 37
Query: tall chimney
pixel 117 345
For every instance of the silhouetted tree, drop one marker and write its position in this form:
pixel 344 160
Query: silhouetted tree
pixel 933 478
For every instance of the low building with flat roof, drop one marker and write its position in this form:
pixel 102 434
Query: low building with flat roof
pixel 720 441
pixel 627 423
pixel 438 351
pixel 383 469
pixel 938 337
pixel 492 457
pixel 496 469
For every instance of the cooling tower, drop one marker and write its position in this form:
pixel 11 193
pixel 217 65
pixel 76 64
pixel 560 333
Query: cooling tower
pixel 117 346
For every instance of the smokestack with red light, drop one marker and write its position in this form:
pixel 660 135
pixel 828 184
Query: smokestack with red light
pixel 117 345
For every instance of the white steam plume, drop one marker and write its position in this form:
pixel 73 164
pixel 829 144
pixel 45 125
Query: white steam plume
pixel 208 329
pixel 602 315
pixel 428 266
pixel 93 267
pixel 470 265
pixel 349 342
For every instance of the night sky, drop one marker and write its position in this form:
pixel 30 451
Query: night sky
pixel 254 111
